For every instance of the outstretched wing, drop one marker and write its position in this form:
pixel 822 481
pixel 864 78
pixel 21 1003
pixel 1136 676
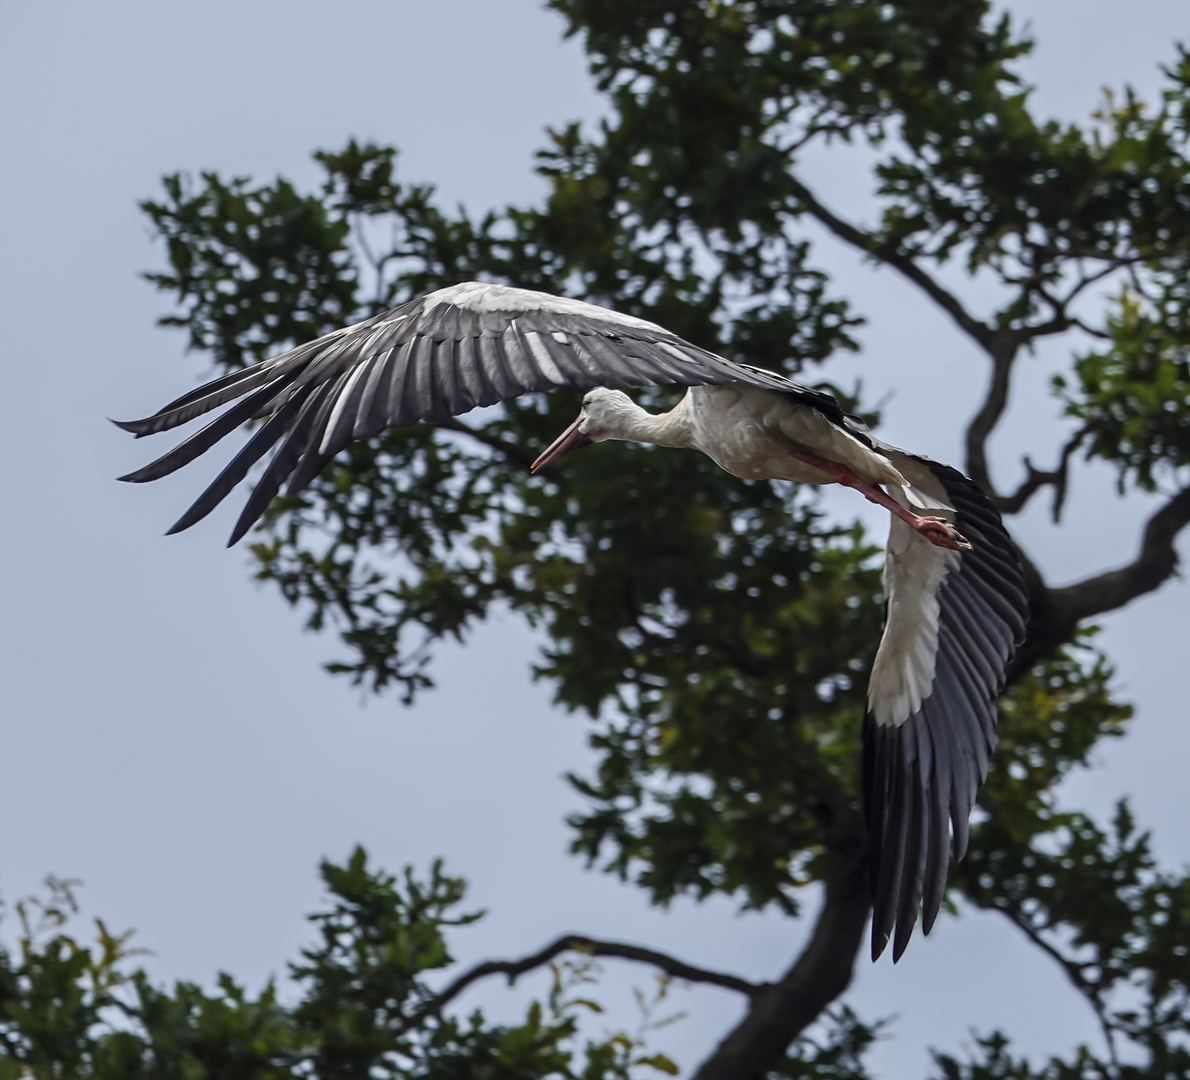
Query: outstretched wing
pixel 954 620
pixel 438 356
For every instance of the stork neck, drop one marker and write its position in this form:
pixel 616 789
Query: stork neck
pixel 671 428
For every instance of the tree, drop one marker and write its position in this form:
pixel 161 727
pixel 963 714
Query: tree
pixel 729 743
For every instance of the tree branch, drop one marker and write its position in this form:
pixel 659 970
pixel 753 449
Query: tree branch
pixel 1057 324
pixel 1055 613
pixel 1102 335
pixel 514 969
pixel 1073 970
pixel 886 252
pixel 1002 348
pixel 1038 478
pixel 1001 345
pixel 1089 279
pixel 783 1010
pixel 1152 567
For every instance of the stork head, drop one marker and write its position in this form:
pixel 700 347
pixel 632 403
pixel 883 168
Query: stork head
pixel 600 418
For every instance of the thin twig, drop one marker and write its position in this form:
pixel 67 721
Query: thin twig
pixel 1090 279
pixel 1073 970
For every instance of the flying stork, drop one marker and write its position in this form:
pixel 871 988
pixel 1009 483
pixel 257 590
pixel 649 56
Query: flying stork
pixel 956 602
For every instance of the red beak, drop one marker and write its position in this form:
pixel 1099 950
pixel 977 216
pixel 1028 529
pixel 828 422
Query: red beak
pixel 568 440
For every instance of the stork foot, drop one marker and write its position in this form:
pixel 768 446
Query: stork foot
pixel 942 533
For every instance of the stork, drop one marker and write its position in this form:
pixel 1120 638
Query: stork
pixel 956 601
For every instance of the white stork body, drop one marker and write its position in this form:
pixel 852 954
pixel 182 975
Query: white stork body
pixel 747 431
pixel 759 434
pixel 956 597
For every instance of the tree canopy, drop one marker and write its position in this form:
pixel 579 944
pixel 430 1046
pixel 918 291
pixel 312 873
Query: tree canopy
pixel 717 633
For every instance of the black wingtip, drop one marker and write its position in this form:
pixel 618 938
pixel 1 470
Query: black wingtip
pixel 242 526
pixel 134 427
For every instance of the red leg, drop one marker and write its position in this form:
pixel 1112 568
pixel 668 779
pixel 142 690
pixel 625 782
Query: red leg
pixel 936 530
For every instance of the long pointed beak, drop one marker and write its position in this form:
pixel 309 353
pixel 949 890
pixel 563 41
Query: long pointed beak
pixel 568 440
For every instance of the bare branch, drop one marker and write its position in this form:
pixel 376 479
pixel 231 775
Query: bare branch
pixel 1059 324
pixel 1003 349
pixel 886 252
pixel 1001 345
pixel 1038 478
pixel 1090 279
pixel 514 969
pixel 812 131
pixel 1061 321
pixel 1055 613
pixel 1103 335
pixel 1152 567
pixel 1075 972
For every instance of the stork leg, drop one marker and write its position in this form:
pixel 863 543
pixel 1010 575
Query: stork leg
pixel 936 530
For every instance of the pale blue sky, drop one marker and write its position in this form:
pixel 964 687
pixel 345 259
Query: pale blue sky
pixel 169 737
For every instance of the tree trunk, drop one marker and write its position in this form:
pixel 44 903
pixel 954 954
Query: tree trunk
pixel 822 972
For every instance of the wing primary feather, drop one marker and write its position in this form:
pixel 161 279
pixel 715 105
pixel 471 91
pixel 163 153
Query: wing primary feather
pixel 238 467
pixel 877 798
pixel 283 462
pixel 317 452
pixel 872 743
pixel 894 836
pixel 201 400
pixel 916 780
pixel 347 399
pixel 938 856
pixel 964 787
pixel 206 437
